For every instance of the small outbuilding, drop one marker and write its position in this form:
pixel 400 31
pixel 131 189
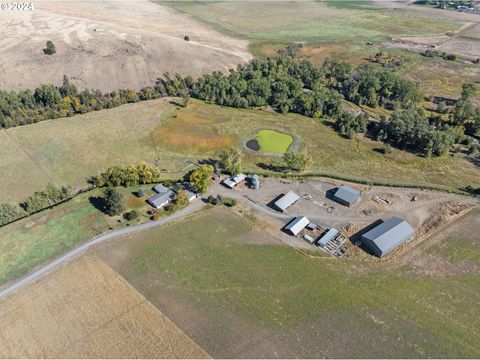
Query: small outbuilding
pixel 346 195
pixel 387 236
pixel 296 225
pixel 235 180
pixel 329 235
pixel 286 201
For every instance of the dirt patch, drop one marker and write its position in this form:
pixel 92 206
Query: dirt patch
pixel 108 45
pixel 189 130
pixel 86 310
pixel 317 55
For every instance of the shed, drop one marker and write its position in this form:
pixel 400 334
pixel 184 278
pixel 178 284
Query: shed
pixel 235 180
pixel 160 200
pixel 312 226
pixel 346 195
pixel 286 201
pixel 229 182
pixel 296 225
pixel 329 235
pixel 387 236
pixel 308 238
pixel 239 179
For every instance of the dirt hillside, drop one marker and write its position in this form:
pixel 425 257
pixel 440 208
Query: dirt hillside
pixel 108 45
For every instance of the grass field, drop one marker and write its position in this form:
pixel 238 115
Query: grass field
pixel 273 141
pixel 331 152
pixel 309 21
pixel 68 151
pixel 459 243
pixel 35 240
pixel 85 310
pixel 239 293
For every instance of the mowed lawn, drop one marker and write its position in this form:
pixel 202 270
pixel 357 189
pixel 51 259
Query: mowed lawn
pixel 67 151
pixel 273 141
pixel 238 292
pixel 309 21
pixel 33 241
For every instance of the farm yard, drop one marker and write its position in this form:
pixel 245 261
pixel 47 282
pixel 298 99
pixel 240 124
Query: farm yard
pixel 71 150
pixel 268 262
pixel 239 292
pixel 85 310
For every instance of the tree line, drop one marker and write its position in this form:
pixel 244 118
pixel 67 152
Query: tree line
pixel 286 83
pixel 39 200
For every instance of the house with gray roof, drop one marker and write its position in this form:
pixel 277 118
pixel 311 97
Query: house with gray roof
pixel 160 188
pixel 346 195
pixel 160 200
pixel 286 201
pixel 387 236
pixel 296 225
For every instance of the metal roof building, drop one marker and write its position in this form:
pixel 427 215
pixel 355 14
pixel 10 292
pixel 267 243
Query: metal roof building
pixel 160 188
pixel 191 195
pixel 235 180
pixel 160 200
pixel 286 201
pixel 296 225
pixel 346 195
pixel 387 236
pixel 330 234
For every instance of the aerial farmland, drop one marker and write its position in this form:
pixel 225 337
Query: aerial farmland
pixel 236 179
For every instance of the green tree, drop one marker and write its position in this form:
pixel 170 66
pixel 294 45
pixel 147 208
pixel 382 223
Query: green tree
pixel 114 202
pixel 231 160
pixel 468 91
pixel 201 178
pixel 181 199
pixel 9 213
pixel 50 48
pixel 296 162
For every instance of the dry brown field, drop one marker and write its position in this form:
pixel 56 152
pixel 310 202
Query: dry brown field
pixel 86 310
pixel 108 45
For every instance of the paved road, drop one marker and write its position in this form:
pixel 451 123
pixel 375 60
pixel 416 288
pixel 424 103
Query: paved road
pixel 194 206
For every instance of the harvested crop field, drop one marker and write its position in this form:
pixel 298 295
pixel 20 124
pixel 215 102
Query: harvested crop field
pixel 239 292
pixel 108 45
pixel 86 310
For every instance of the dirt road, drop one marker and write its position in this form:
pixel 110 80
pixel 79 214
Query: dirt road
pixel 193 207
